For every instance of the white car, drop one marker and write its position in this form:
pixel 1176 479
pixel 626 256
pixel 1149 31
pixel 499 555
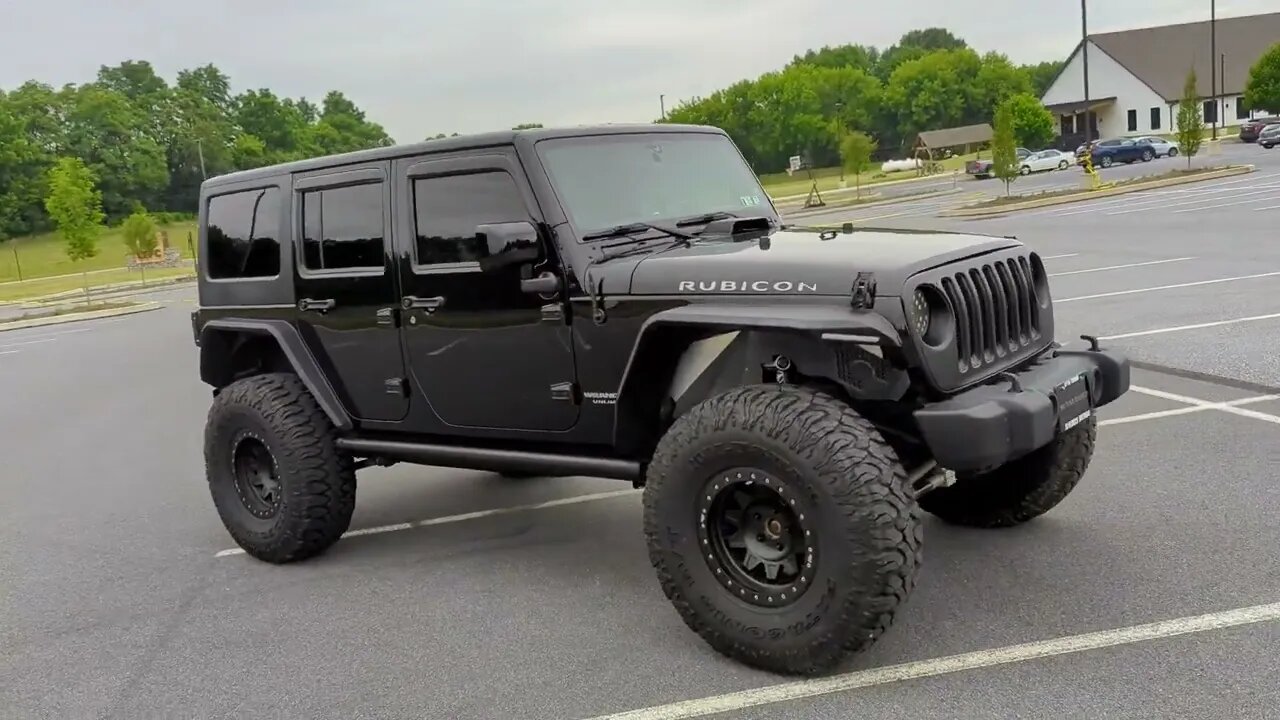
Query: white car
pixel 1046 160
pixel 1163 147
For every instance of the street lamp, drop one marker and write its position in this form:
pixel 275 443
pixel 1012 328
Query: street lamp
pixel 840 122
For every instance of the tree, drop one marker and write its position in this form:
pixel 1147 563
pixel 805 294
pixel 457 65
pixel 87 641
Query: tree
pixel 1263 89
pixel 1042 75
pixel 140 234
pixel 75 205
pixel 1190 122
pixel 1004 150
pixel 996 80
pixel 1032 123
pixel 856 149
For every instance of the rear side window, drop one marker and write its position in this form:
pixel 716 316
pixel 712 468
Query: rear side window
pixel 242 231
pixel 343 228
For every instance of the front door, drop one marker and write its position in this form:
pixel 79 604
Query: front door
pixel 484 353
pixel 346 287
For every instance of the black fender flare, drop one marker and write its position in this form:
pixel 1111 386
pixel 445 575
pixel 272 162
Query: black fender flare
pixel 213 360
pixel 819 332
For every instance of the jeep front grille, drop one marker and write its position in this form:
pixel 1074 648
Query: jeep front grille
pixel 997 310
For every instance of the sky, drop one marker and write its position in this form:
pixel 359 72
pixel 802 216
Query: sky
pixel 420 67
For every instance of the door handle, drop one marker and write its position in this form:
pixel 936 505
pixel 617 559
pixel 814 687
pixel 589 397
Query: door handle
pixel 430 304
pixel 545 284
pixel 307 304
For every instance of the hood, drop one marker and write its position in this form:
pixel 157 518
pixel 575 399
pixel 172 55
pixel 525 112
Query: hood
pixel 797 262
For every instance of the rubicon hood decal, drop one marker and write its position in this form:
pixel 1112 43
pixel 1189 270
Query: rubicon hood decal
pixel 735 286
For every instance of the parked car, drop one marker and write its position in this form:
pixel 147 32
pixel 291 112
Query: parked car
pixel 1106 153
pixel 1249 131
pixel 1270 136
pixel 981 168
pixel 1045 160
pixel 1163 146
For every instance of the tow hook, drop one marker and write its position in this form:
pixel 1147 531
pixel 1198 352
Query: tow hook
pixel 780 365
pixel 929 477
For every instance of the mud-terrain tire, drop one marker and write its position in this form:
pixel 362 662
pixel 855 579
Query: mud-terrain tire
pixel 267 431
pixel 843 485
pixel 1020 490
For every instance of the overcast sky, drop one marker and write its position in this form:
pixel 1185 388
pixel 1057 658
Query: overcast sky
pixel 425 66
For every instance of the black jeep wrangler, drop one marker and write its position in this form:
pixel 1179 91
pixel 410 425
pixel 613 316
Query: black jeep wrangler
pixel 625 302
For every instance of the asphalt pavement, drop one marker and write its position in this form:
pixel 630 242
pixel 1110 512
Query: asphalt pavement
pixel 122 596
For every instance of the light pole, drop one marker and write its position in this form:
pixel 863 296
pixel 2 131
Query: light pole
pixel 1084 49
pixel 1213 53
pixel 840 122
pixel 662 103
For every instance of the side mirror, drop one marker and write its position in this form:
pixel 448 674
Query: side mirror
pixel 507 244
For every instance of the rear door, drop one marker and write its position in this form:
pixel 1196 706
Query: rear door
pixel 347 288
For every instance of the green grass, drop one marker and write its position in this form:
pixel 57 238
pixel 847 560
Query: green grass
pixel 783 185
pixel 47 286
pixel 45 255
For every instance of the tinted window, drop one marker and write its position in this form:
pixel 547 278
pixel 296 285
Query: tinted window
pixel 1242 110
pixel 241 233
pixel 448 208
pixel 343 228
pixel 1132 117
pixel 1155 118
pixel 652 177
pixel 1210 111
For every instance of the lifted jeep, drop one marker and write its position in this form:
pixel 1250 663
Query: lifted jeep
pixel 626 302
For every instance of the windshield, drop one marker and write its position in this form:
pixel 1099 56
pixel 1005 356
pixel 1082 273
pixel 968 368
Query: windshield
pixel 612 180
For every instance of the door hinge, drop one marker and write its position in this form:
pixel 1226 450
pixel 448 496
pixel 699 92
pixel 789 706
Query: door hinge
pixel 396 386
pixel 389 316
pixel 566 392
pixel 552 313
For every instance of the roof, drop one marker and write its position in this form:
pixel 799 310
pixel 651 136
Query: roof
pixel 459 142
pixel 1079 106
pixel 1161 56
pixel 952 137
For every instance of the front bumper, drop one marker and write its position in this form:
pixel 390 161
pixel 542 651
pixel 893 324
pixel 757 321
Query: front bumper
pixel 1003 420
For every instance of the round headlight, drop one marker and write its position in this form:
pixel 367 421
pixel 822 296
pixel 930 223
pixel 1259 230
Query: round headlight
pixel 920 313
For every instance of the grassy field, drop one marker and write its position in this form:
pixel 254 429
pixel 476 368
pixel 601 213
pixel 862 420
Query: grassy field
pixel 44 255
pixel 782 185
pixel 10 292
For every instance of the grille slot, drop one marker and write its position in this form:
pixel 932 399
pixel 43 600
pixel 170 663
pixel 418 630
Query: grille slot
pixel 995 307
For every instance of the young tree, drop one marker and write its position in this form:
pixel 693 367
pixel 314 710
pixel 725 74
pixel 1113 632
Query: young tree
pixel 1190 123
pixel 1032 123
pixel 1004 149
pixel 856 149
pixel 140 233
pixel 75 206
pixel 1263 88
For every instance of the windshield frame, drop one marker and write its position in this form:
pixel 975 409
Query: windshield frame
pixel 765 207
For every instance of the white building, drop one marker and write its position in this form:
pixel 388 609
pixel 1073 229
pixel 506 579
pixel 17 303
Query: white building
pixel 1136 77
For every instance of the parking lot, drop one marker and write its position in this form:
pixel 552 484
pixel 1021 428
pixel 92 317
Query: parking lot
pixel 465 595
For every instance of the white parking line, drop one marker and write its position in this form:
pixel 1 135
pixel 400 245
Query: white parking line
pixel 1197 326
pixel 1151 195
pixel 1269 207
pixel 1025 652
pixel 1056 257
pixel 1186 410
pixel 1120 267
pixel 1224 407
pixel 1167 287
pixel 575 500
pixel 27 342
pixel 1269 193
pixel 1168 203
pixel 9 352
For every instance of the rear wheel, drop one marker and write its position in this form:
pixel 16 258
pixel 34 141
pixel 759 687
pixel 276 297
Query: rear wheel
pixel 1173 152
pixel 1146 156
pixel 1063 165
pixel 781 526
pixel 281 487
pixel 1106 161
pixel 1024 170
pixel 1020 490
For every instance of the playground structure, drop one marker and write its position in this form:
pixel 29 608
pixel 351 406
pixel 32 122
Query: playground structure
pixel 163 256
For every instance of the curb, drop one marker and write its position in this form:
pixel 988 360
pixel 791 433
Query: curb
pixel 109 289
pixel 1082 196
pixel 887 183
pixel 874 203
pixel 77 317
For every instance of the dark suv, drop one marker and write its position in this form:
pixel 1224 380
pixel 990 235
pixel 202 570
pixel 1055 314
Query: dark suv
pixel 625 302
pixel 1106 153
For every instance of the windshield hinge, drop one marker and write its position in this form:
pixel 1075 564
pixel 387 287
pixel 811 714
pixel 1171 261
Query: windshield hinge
pixel 598 314
pixel 864 291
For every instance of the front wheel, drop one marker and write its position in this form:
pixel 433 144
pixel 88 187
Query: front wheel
pixel 1063 165
pixel 281 487
pixel 1146 156
pixel 1020 490
pixel 781 526
pixel 1106 161
pixel 1173 152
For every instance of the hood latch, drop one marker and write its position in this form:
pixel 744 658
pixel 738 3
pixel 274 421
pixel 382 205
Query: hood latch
pixel 864 291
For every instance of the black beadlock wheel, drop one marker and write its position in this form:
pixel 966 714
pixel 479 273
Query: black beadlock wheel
pixel 1020 490
pixel 282 489
pixel 781 527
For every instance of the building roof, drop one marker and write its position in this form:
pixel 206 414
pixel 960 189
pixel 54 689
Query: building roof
pixel 1161 56
pixel 951 137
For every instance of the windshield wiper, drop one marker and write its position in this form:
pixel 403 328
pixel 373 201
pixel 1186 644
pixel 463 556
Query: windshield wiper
pixel 705 218
pixel 635 227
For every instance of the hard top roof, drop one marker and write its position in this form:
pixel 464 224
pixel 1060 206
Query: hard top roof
pixel 459 142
